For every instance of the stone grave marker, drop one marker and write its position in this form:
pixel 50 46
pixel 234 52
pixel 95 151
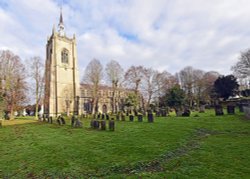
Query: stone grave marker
pixel 111 125
pixel 218 110
pixel 230 109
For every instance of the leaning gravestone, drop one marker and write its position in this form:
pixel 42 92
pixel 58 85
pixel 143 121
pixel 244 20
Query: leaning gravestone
pixel 63 120
pixel 111 125
pixel 218 110
pixel 230 109
pixel 58 121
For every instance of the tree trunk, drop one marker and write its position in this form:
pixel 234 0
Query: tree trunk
pixel 36 112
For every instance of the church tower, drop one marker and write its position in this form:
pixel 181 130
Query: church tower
pixel 61 74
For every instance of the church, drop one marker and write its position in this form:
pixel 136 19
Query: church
pixel 63 92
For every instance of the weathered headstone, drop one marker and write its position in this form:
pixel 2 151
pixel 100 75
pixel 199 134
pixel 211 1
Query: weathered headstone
pixel 78 123
pixel 123 117
pixel 202 109
pixel 107 117
pixel 230 109
pixel 219 110
pixel 99 116
pixel 103 116
pixel 140 118
pixel 131 118
pixel 63 120
pixel 51 120
pixel 92 123
pixel 103 125
pixel 112 125
pixel 96 124
pixel 150 116
pixel 186 113
pixel 158 113
pixel 241 107
pixel 117 117
pixel 58 122
pixel 73 121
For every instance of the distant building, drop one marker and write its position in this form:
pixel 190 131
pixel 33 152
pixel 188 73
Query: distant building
pixel 105 98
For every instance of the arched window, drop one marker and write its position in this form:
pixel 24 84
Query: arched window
pixel 65 56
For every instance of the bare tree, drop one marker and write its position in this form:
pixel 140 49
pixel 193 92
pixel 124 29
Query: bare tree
pixel 242 68
pixel 163 82
pixel 149 85
pixel 186 80
pixel 36 73
pixel 115 74
pixel 13 85
pixel 93 75
pixel 133 79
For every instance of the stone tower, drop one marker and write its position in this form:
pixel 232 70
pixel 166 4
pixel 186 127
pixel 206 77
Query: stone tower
pixel 61 74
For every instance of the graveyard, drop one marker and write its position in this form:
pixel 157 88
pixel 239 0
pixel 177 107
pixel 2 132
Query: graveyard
pixel 200 146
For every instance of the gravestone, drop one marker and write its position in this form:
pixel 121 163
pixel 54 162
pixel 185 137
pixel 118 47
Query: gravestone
pixel 186 113
pixel 107 117
pixel 63 120
pixel 150 116
pixel 58 121
pixel 96 124
pixel 112 125
pixel 218 110
pixel 1 124
pixel 103 125
pixel 103 116
pixel 99 116
pixel 78 123
pixel 131 118
pixel 158 113
pixel 140 118
pixel 178 112
pixel 123 117
pixel 92 124
pixel 73 121
pixel 51 120
pixel 230 109
pixel 241 107
pixel 117 117
pixel 202 109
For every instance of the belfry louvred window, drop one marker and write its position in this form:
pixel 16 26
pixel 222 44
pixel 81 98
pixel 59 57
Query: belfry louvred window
pixel 65 56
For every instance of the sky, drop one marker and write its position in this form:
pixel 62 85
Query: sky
pixel 162 34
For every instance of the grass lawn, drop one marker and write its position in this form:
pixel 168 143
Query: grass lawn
pixel 196 147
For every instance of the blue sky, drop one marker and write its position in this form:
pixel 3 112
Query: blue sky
pixel 163 34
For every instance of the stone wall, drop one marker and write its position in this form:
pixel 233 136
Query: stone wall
pixel 247 111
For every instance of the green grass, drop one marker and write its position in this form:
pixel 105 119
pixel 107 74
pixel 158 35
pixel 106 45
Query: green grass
pixel 197 147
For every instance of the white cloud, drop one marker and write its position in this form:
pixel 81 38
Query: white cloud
pixel 163 34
